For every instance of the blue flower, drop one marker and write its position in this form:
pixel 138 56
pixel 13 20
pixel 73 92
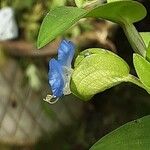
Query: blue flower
pixel 60 70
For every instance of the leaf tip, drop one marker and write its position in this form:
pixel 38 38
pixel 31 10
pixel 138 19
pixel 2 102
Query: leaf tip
pixel 39 44
pixel 135 55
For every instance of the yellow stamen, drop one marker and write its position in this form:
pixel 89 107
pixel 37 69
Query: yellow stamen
pixel 50 99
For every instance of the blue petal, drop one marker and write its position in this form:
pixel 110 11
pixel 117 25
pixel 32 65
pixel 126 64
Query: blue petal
pixel 66 52
pixel 56 78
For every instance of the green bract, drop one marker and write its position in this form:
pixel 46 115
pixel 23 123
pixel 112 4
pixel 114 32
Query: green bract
pixel 60 19
pixel 131 136
pixel 97 70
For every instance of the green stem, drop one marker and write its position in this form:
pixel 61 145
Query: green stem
pixel 134 38
pixel 136 81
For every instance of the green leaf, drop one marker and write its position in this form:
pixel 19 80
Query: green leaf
pixel 135 39
pixel 131 136
pixel 124 13
pixel 142 67
pixel 146 38
pixel 56 22
pixel 97 70
pixel 119 11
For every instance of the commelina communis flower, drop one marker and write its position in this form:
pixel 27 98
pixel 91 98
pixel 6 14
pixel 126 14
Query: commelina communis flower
pixel 60 71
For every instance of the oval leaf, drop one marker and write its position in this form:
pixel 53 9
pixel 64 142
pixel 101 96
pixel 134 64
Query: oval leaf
pixel 56 22
pixel 119 11
pixel 142 68
pixel 131 136
pixel 60 19
pixel 95 71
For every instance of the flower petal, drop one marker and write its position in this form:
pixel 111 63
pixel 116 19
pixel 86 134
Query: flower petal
pixel 66 52
pixel 67 72
pixel 56 78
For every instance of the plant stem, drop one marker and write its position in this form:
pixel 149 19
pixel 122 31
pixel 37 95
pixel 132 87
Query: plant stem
pixel 136 81
pixel 134 38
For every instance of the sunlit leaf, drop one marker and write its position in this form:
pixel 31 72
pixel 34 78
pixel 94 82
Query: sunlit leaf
pixel 146 39
pixel 97 70
pixel 142 67
pixel 131 136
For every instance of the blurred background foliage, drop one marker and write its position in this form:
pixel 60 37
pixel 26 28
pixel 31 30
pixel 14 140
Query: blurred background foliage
pixel 27 122
pixel 30 13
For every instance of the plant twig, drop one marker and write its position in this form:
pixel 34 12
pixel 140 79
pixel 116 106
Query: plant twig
pixel 22 48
